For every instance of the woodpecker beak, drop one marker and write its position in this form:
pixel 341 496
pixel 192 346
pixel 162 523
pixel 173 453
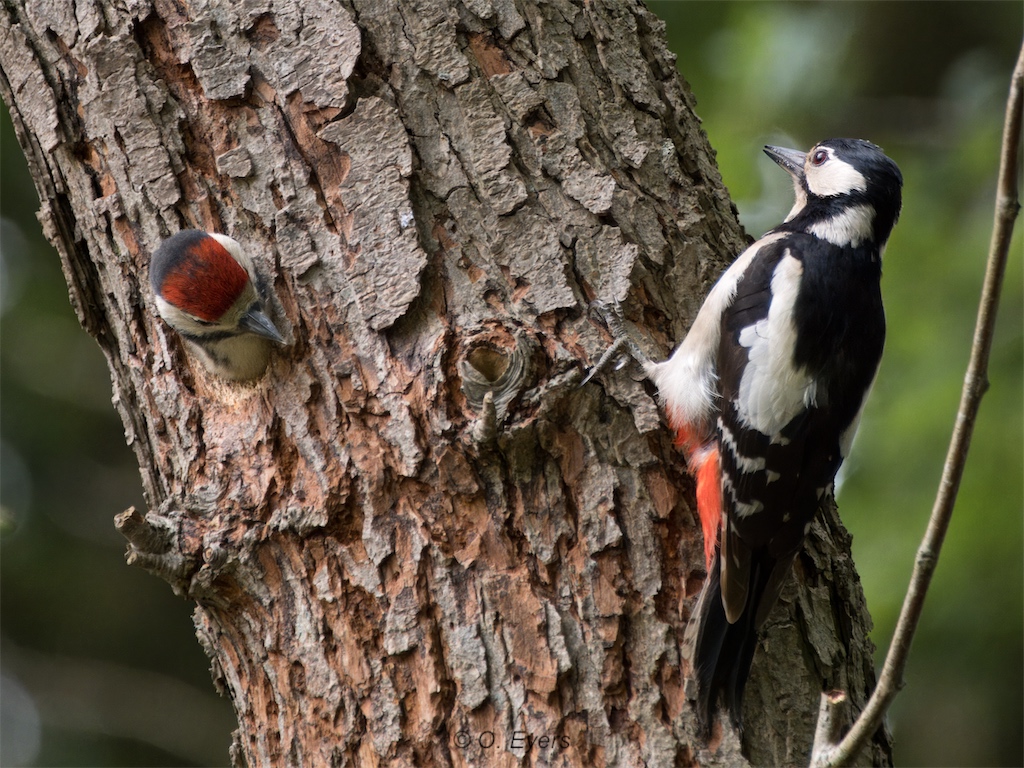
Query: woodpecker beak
pixel 256 321
pixel 790 159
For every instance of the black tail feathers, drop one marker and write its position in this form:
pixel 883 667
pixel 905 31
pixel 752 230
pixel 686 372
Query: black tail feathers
pixel 722 652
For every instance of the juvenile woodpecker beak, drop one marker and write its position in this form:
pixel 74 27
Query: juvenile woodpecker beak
pixel 256 321
pixel 790 159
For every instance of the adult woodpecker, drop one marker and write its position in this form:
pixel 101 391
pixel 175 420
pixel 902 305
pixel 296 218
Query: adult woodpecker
pixel 208 290
pixel 766 390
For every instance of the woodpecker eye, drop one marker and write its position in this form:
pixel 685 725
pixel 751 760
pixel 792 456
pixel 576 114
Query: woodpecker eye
pixel 819 157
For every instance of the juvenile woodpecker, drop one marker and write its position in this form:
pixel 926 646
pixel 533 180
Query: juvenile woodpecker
pixel 208 290
pixel 766 390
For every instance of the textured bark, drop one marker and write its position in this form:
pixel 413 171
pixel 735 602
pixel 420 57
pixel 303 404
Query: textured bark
pixel 416 540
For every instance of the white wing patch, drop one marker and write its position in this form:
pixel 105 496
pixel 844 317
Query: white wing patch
pixel 772 390
pixel 851 227
pixel 688 381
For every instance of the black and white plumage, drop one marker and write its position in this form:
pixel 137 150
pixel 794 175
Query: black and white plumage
pixel 208 290
pixel 766 390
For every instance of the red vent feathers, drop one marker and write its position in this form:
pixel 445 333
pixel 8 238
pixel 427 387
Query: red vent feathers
pixel 709 504
pixel 703 463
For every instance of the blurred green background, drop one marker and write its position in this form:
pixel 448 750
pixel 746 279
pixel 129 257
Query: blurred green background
pixel 98 661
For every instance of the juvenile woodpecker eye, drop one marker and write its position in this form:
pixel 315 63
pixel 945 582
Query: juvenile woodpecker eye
pixel 819 157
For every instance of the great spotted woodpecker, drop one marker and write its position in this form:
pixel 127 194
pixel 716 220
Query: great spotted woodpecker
pixel 208 290
pixel 766 390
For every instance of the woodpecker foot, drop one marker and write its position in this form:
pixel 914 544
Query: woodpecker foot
pixel 622 350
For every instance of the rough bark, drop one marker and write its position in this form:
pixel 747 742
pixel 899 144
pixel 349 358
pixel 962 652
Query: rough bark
pixel 416 540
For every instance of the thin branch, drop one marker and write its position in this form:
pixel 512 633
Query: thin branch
pixel 825 752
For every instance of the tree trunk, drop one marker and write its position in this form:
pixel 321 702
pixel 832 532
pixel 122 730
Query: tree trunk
pixel 416 540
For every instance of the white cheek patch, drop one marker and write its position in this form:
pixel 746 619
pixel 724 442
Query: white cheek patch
pixel 851 227
pixel 180 321
pixel 772 390
pixel 835 177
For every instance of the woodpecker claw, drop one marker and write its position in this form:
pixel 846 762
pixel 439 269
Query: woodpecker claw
pixel 623 350
pixel 614 354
